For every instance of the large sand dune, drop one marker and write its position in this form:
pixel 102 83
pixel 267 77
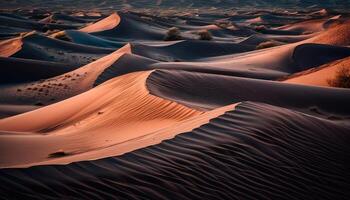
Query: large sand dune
pixel 101 127
pixel 241 154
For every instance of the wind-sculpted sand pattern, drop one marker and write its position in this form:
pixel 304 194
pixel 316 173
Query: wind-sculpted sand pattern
pixel 151 100
pixel 256 151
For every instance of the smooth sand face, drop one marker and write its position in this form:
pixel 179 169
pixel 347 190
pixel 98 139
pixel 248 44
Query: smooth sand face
pixel 105 24
pixel 10 46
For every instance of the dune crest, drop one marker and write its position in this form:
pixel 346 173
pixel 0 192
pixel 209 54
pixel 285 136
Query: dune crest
pixel 107 23
pixel 318 76
pixel 338 34
pixel 113 113
pixel 10 46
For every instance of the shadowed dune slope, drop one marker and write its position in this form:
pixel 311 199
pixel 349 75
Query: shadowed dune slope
pixel 252 65
pixel 189 50
pixel 39 47
pixel 30 25
pixel 287 60
pixel 242 154
pixel 208 91
pixel 79 37
pixel 290 58
pixel 18 70
pixel 128 63
pixel 131 26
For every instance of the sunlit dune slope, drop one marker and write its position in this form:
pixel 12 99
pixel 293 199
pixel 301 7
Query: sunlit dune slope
pixel 107 23
pixel 116 112
pixel 319 76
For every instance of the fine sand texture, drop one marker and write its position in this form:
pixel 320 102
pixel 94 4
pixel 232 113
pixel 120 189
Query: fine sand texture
pixel 153 100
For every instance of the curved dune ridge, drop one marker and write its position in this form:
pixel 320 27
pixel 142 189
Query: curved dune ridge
pixel 107 23
pixel 57 88
pixel 39 47
pixel 205 91
pixel 319 76
pixel 102 120
pixel 10 46
pixel 242 154
pixel 310 26
pixel 338 34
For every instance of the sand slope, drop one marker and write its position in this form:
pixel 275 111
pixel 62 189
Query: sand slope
pixel 208 91
pixel 51 90
pixel 100 118
pixel 319 76
pixel 107 23
pixel 243 154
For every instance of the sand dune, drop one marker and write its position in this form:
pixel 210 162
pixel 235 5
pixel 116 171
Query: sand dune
pixel 82 117
pixel 47 91
pixel 32 25
pixel 188 50
pixel 91 40
pixel 106 24
pixel 38 47
pixel 210 91
pixel 63 18
pixel 229 158
pixel 128 26
pixel 10 47
pixel 318 76
pixel 309 26
pixel 338 34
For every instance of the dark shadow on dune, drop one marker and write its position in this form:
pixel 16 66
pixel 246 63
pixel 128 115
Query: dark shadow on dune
pixel 18 70
pixel 208 91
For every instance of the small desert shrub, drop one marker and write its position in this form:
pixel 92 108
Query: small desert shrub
pixel 267 44
pixel 204 35
pixel 173 34
pixel 341 79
